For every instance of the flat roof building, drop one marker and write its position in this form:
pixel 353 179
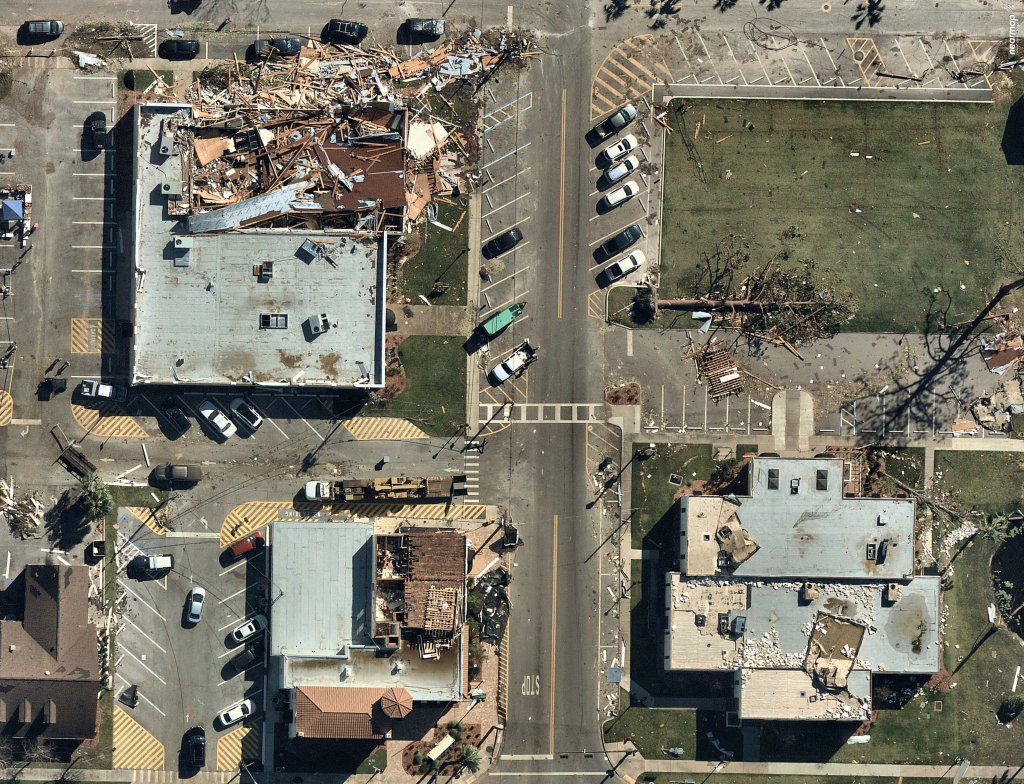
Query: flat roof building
pixel 801 591
pixel 365 626
pixel 221 299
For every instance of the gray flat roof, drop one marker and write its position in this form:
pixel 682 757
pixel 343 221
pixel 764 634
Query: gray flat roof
pixel 198 308
pixel 901 638
pixel 321 587
pixel 814 533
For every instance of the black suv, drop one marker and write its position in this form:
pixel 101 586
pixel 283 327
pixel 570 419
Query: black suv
pixel 96 127
pixel 424 29
pixel 620 241
pixel 179 49
pixel 179 422
pixel 278 47
pixel 343 32
pixel 195 747
pixel 502 243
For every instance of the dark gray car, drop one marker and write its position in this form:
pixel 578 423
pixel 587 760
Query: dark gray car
pixel 425 29
pixel 278 47
pixel 176 475
pixel 345 32
pixel 44 28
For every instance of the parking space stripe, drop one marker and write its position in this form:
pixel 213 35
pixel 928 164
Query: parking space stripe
pixel 92 336
pixel 107 422
pixel 633 64
pixel 870 61
pixel 238 745
pixel 135 748
pixel 383 429
pixel 146 516
pixel 6 408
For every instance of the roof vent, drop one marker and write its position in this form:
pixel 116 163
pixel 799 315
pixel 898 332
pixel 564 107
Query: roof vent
pixel 171 188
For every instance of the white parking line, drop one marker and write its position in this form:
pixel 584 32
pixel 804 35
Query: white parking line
pixel 230 651
pixel 232 568
pixel 756 57
pixel 739 67
pixel 146 668
pixel 151 607
pixel 141 695
pixel 808 59
pixel 506 204
pixel 520 246
pixel 611 234
pixel 226 599
pixel 144 634
pixel 229 625
pixel 283 400
pixel 507 179
pixel 495 234
pixel 710 58
pixel 89 198
pixel 511 152
pixel 497 282
pixel 279 430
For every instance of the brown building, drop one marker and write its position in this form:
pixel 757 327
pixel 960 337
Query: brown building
pixel 49 667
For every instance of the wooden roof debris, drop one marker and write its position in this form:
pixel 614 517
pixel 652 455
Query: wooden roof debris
pixel 715 364
pixel 334 128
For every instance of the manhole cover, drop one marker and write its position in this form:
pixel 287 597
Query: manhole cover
pixel 826 8
pixel 858 56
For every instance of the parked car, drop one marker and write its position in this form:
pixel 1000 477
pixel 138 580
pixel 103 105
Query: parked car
pixel 194 604
pixel 425 29
pixel 93 389
pixel 250 628
pixel 149 567
pixel 514 364
pixel 344 32
pixel 503 243
pixel 96 128
pixel 222 427
pixel 616 122
pixel 44 28
pixel 620 195
pixel 175 474
pixel 620 241
pixel 627 165
pixel 236 713
pixel 244 412
pixel 244 660
pixel 244 547
pixel 179 49
pixel 195 746
pixel 622 267
pixel 180 423
pixel 277 47
pixel 613 152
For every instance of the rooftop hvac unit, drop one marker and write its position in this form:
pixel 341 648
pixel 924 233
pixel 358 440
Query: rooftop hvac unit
pixel 171 188
pixel 166 143
pixel 318 323
pixel 183 243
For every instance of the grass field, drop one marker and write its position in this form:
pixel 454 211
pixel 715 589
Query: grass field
pixel 652 493
pixel 938 203
pixel 442 258
pixel 435 398
pixel 990 482
pixel 653 730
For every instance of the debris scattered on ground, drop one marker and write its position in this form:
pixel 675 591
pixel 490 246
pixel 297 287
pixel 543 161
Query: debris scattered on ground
pixel 496 605
pixel 24 517
pixel 336 138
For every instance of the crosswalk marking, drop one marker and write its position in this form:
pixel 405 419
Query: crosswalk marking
pixel 104 422
pixel 546 413
pixel 241 744
pixel 383 429
pixel 135 748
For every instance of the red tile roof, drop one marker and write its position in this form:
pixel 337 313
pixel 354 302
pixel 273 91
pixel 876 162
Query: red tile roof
pixel 340 712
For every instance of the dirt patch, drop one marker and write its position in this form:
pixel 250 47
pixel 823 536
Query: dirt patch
pixel 628 394
pixel 289 360
pixel 329 363
pixel 395 378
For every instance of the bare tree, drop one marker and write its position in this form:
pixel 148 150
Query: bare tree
pixel 38 750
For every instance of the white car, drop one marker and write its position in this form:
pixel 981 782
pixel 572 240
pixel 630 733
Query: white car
pixel 246 414
pixel 621 169
pixel 196 600
pixel 513 364
pixel 627 264
pixel 615 151
pixel 217 420
pixel 92 388
pixel 620 195
pixel 250 628
pixel 236 713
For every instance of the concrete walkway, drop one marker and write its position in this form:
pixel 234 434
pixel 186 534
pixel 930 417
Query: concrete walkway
pixel 631 768
pixel 817 93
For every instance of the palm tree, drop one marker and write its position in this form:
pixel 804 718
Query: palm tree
pixel 471 758
pixel 94 497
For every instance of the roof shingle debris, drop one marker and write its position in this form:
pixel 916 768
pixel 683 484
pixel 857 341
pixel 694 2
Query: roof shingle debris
pixel 344 135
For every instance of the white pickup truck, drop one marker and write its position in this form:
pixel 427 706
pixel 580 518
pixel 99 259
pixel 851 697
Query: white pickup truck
pixel 514 364
pixel 91 388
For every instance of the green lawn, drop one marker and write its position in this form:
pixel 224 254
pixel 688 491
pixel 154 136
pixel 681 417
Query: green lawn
pixel 990 482
pixel 443 258
pixel 378 760
pixel 652 493
pixel 903 463
pixel 435 398
pixel 931 216
pixel 653 730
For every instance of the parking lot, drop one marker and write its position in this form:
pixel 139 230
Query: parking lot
pixel 184 673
